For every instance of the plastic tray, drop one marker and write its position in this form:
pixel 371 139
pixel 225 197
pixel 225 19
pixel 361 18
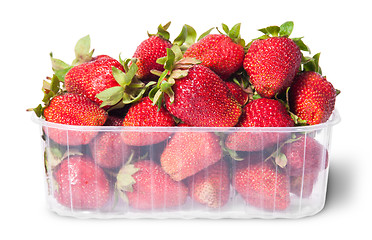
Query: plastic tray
pixel 305 195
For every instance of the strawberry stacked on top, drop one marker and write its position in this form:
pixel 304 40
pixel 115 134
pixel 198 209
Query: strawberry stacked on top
pixel 215 81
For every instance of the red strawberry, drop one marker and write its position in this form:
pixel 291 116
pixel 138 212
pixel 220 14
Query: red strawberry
pixel 91 78
pixel 305 155
pixel 202 99
pixel 150 50
pixel 114 121
pixel 272 62
pixel 144 185
pixel 260 184
pixel 109 150
pixel 73 109
pixel 261 112
pixel 312 97
pixel 81 184
pixel 302 186
pixel 219 52
pixel 211 186
pixel 240 95
pixel 189 152
pixel 144 114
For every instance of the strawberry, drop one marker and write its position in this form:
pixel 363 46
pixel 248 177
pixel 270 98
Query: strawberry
pixel 194 93
pixel 272 62
pixel 144 185
pixel 261 184
pixel 261 112
pixel 81 183
pixel 302 186
pixel 92 77
pixel 211 186
pixel 221 53
pixel 312 98
pixel 240 95
pixel 114 120
pixel 150 50
pixel 189 152
pixel 202 99
pixel 73 109
pixel 144 113
pixel 109 150
pixel 304 156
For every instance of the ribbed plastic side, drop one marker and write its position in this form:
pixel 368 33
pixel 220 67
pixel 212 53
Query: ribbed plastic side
pixel 186 172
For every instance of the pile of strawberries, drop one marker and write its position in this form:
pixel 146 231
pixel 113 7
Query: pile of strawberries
pixel 216 80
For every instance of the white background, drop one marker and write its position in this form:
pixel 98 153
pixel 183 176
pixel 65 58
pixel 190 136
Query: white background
pixel 340 30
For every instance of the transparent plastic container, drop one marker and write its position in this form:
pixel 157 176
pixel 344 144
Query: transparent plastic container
pixel 186 172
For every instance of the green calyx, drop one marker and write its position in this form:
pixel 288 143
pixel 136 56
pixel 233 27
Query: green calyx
pixel 175 67
pixel 82 51
pixel 311 64
pixel 186 38
pixel 162 31
pixel 233 33
pixel 130 88
pixel 124 178
pixel 52 86
pixel 284 30
pixel 280 158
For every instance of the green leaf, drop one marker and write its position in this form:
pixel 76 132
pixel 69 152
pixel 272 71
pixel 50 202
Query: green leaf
pixel 124 63
pixel 166 26
pixel 205 33
pixel 191 36
pixel 158 98
pixel 61 74
pixel 82 53
pixel 156 72
pixel 162 77
pixel 82 46
pixel 281 160
pixel 54 84
pixel 170 60
pixel 316 62
pixel 178 55
pixel 301 44
pixel 234 33
pixel 225 28
pixel 312 64
pixel 124 179
pixel 164 86
pixel 111 96
pixel 262 38
pixel 161 60
pixel 162 31
pixel 234 155
pixel 131 73
pixel 152 93
pixel 272 30
pixel 142 92
pixel 58 64
pixel 54 156
pixel 47 97
pixel 181 38
pixel 297 120
pixel 286 29
pixel 38 110
pixel 178 73
pixel 119 76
